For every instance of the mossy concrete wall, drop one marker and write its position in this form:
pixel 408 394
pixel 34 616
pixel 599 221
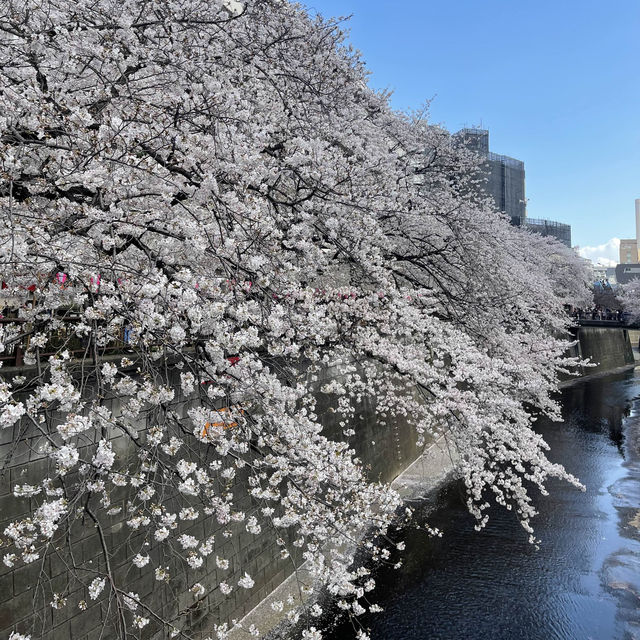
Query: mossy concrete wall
pixel 607 347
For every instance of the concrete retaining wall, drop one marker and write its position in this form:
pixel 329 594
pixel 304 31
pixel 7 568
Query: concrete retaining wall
pixel 608 347
pixel 26 591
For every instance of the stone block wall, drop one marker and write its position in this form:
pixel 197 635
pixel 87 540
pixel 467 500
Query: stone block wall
pixel 26 591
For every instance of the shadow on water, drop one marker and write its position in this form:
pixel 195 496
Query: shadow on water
pixel 582 583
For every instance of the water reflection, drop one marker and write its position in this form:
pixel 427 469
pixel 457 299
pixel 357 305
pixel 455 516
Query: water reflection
pixel 601 404
pixel 583 583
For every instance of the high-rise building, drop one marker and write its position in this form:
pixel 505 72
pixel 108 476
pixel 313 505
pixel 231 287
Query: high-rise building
pixel 505 175
pixel 506 185
pixel 638 224
pixel 630 247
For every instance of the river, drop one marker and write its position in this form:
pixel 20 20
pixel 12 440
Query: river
pixel 584 580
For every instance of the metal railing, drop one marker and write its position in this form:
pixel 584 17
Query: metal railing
pixel 14 355
pixel 541 222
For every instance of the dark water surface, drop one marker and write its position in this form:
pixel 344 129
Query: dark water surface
pixel 582 583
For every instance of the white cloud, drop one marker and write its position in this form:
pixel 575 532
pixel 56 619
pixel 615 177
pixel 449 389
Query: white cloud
pixel 606 254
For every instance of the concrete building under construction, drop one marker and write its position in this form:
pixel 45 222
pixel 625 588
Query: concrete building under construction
pixel 505 184
pixel 505 175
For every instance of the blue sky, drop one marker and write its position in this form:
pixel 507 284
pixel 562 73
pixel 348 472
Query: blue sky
pixel 556 83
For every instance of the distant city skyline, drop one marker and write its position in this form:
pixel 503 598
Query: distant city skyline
pixel 555 83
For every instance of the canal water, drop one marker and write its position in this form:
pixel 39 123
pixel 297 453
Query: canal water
pixel 582 583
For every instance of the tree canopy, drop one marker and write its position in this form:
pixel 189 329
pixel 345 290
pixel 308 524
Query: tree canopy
pixel 216 190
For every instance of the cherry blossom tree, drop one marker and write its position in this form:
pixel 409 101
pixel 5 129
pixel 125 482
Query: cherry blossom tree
pixel 204 210
pixel 629 296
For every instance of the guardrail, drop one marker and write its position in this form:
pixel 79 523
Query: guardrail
pixel 587 322
pixel 76 346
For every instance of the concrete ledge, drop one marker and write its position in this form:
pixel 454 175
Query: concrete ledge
pixel 435 466
pixel 598 374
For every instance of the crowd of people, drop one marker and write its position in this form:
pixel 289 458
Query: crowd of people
pixel 599 313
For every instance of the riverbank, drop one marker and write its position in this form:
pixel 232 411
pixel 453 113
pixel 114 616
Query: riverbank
pixel 601 374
